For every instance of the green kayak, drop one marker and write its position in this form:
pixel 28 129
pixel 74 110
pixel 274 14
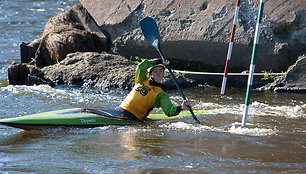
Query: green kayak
pixel 77 117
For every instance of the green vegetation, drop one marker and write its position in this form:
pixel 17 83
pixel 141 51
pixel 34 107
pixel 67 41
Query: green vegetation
pixel 138 60
pixel 268 75
pixel 181 74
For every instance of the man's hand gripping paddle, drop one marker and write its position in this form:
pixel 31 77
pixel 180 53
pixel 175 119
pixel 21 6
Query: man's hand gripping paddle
pixel 151 33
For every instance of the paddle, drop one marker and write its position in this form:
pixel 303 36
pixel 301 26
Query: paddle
pixel 151 33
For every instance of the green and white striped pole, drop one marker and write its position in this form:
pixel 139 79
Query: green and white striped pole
pixel 253 61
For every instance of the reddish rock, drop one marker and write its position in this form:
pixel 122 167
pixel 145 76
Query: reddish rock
pixel 65 33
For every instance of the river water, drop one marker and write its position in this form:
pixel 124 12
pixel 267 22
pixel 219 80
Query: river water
pixel 273 141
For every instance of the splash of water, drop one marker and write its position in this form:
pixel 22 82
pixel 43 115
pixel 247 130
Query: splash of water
pixel 234 128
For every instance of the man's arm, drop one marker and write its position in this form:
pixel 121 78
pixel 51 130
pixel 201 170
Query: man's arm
pixel 162 100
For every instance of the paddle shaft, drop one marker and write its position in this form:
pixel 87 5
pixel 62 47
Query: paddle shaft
pixel 177 85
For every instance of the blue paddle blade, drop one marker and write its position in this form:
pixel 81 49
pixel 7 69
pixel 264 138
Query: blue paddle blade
pixel 150 31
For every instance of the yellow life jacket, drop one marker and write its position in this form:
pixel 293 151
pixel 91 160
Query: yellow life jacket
pixel 140 100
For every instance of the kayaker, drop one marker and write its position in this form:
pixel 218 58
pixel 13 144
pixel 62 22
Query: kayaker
pixel 147 92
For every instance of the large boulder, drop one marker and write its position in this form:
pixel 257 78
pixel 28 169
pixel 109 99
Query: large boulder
pixel 199 31
pixel 91 69
pixel 69 32
pixel 106 71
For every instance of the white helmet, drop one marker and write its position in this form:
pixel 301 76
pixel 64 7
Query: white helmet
pixel 151 68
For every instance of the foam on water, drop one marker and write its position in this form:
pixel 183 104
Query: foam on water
pixel 289 111
pixel 257 109
pixel 234 128
pixel 208 106
pixel 134 129
pixel 18 89
pixel 78 95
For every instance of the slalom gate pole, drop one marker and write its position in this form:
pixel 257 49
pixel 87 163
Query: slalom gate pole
pixel 230 47
pixel 253 61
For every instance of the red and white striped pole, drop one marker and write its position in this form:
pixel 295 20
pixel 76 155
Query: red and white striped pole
pixel 230 47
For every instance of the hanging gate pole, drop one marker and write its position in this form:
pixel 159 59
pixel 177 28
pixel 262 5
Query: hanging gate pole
pixel 253 62
pixel 230 47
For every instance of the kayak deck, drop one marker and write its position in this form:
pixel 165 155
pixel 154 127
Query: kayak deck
pixel 76 117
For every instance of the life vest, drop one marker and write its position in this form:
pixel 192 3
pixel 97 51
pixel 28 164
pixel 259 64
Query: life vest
pixel 140 100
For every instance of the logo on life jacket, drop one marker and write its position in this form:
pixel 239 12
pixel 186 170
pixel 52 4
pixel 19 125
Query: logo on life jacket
pixel 142 89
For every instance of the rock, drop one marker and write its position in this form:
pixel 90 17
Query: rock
pixel 293 81
pixel 195 36
pixel 65 33
pixel 106 71
pixel 200 31
pixel 25 74
pixel 110 12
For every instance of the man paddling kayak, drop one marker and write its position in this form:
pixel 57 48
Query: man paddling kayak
pixel 147 93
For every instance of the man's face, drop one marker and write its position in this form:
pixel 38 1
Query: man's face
pixel 158 74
